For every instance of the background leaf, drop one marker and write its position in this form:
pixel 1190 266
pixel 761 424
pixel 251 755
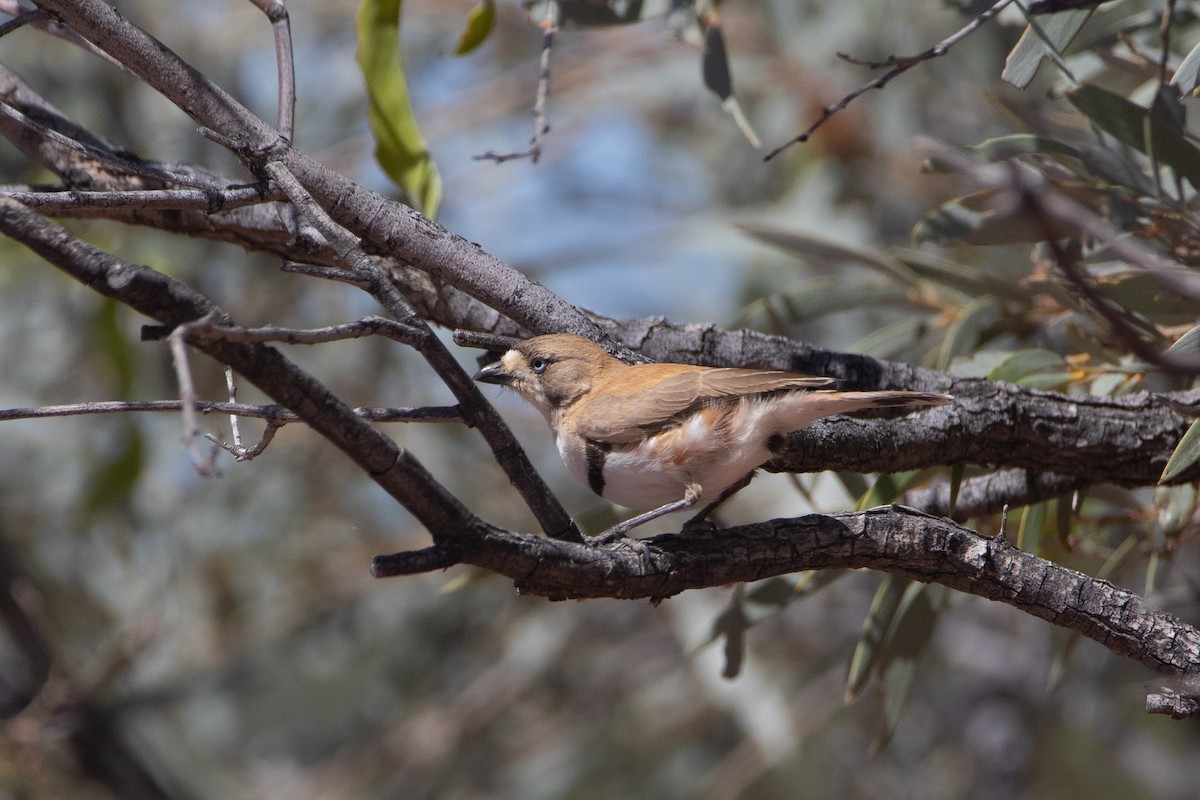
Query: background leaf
pixel 400 148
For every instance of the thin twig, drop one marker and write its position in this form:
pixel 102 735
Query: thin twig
pixel 205 464
pixel 285 64
pixel 270 412
pixel 209 200
pixel 126 165
pixel 234 426
pixel 540 126
pixel 899 65
pixel 367 326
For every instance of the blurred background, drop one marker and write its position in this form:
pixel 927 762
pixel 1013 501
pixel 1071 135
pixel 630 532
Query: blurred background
pixel 221 637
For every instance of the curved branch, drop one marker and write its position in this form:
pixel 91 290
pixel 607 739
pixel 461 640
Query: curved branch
pixel 893 539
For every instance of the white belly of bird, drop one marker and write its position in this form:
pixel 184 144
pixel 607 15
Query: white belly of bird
pixel 659 470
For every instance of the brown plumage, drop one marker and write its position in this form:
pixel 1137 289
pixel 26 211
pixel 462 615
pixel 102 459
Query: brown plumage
pixel 659 437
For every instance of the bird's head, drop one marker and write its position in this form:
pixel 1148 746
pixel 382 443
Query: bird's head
pixel 552 371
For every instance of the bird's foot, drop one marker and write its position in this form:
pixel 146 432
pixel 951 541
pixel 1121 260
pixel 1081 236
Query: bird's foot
pixel 700 524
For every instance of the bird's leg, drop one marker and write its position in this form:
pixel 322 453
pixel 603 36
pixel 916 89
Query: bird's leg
pixel 725 495
pixel 691 495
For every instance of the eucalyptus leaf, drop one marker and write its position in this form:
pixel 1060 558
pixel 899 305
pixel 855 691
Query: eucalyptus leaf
pixel 480 23
pixel 1052 35
pixel 1128 122
pixel 400 148
pixel 875 627
pixel 1185 455
pixel 1188 343
pixel 1025 362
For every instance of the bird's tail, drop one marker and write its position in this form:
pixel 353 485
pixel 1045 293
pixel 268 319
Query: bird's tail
pixel 802 408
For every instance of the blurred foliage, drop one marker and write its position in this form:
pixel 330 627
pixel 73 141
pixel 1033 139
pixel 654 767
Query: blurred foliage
pixel 225 632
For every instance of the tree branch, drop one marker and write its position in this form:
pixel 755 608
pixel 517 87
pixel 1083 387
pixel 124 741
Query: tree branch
pixel 894 539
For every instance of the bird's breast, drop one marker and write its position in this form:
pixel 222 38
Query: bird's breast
pixel 715 448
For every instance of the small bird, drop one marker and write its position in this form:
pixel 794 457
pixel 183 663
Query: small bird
pixel 658 438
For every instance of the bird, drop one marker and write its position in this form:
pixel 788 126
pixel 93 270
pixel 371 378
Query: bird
pixel 660 437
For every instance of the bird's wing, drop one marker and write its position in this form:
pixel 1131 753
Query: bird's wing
pixel 648 402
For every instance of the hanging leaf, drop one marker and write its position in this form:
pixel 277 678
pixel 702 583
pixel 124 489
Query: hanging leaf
pixel 1046 38
pixel 1033 523
pixel 1188 343
pixel 1186 454
pixel 400 148
pixel 875 627
pixel 887 488
pixel 1187 75
pixel 1024 363
pixel 901 651
pixel 969 327
pixel 714 65
pixel 480 23
pixel 1127 122
pixel 828 252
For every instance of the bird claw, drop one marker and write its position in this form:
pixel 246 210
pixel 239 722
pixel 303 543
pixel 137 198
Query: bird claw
pixel 700 524
pixel 610 536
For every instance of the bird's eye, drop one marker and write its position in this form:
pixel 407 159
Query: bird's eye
pixel 538 365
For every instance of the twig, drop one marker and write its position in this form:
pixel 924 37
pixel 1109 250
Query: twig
pixel 126 165
pixel 367 326
pixel 205 464
pixel 491 342
pixel 325 273
pixel 899 65
pixel 540 126
pixel 281 27
pixel 271 412
pixel 208 200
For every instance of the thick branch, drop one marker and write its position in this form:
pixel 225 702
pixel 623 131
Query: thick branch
pixel 898 540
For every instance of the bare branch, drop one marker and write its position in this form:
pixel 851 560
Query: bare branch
pixel 898 66
pixel 281 26
pixel 204 463
pixel 893 539
pixel 272 413
pixel 540 126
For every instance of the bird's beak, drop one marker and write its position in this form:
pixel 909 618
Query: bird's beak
pixel 494 373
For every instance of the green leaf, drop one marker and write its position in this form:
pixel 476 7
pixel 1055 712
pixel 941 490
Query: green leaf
pixel 956 479
pixel 1033 524
pixel 400 148
pixel 1051 36
pixel 1023 363
pixel 1143 293
pixel 480 23
pixel 818 250
pixel 714 65
pixel 887 488
pixel 1186 454
pixel 875 627
pixel 1063 517
pixel 1003 148
pixel 1188 343
pixel 1158 131
pixel 968 328
pixel 1187 75
pixel 902 649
